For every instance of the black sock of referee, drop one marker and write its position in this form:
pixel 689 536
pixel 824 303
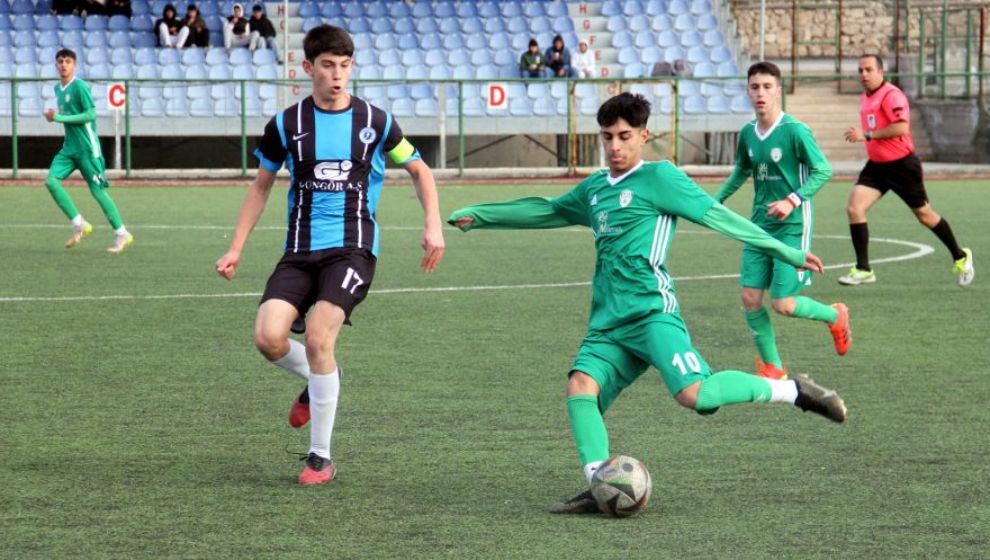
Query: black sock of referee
pixel 944 233
pixel 860 234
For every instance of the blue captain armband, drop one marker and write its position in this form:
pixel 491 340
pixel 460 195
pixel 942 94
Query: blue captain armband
pixel 795 199
pixel 266 163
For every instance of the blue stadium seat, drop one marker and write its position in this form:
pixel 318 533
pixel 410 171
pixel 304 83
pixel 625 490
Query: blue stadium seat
pixel 472 26
pixel 141 39
pixel 70 39
pixel 494 25
pixel 48 39
pixel 253 107
pixel 740 104
pixel 611 8
pixel 359 25
pixel 707 22
pixel 480 57
pixel 467 10
pixel 168 57
pixel 193 56
pixel 713 38
pixel 24 55
pixel 516 26
pixel 662 22
pixel 381 25
pixel 520 107
pixel 422 91
pixel 120 40
pixel 684 22
pixel 628 55
pixel 727 69
pixel 22 7
pixel 96 23
pixel 692 104
pixel 363 41
pixel 404 26
pixel 697 54
pixel 200 107
pixel 24 22
pixel 373 72
pixel 263 57
pixel 688 88
pixel 118 23
pixel 145 56
pixel 245 74
pixel 403 107
pixel 504 57
pixel 678 7
pixel 631 8
pixel 440 73
pixel 46 22
pixel 487 72
pixel 544 107
pixel 325 9
pixel 145 23
pixel 426 25
pixel 389 57
pixel 353 9
pixel 226 107
pixel 97 39
pixel 413 58
pixel 633 70
pixel 538 90
pixel 588 106
pixel 622 39
pixel 141 7
pixel 152 107
pixel 556 9
pixel 375 10
pixel 444 9
pixel 563 24
pixel 422 9
pixel 385 41
pixel 208 10
pixel 177 107
pixel 426 108
pixel 453 42
pixel 29 107
pixel 6 57
pixel 585 90
pixel 310 23
pixel 399 10
pixel 5 23
pixel 721 54
pixel 458 57
pixel 101 71
pixel 519 43
pixel 636 24
pixel 540 24
pixel 700 7
pixel 655 7
pixel 216 57
pixel 691 38
pixel 674 53
pixel 365 58
pixel 408 41
pixel 71 23
pixel 651 55
pixel 645 39
pixel 510 10
pixel 449 25
pixel 97 56
pixel 122 71
pixel 463 72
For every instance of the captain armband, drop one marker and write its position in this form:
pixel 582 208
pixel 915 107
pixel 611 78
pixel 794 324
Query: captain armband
pixel 402 152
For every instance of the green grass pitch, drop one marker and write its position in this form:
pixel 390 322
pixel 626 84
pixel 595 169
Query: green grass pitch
pixel 138 421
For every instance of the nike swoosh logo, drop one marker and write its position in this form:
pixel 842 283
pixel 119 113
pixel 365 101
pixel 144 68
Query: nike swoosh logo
pixel 297 137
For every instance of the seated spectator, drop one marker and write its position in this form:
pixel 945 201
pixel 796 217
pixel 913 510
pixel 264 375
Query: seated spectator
pixel 680 67
pixel 119 8
pixel 263 32
pixel 531 63
pixel 237 30
pixel 170 30
pixel 199 33
pixel 94 7
pixel 65 7
pixel 558 59
pixel 584 61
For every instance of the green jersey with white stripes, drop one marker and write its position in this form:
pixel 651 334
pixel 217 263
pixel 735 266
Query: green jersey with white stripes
pixel 785 163
pixel 75 98
pixel 633 218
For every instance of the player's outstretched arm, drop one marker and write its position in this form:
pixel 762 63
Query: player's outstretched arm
pixel 728 223
pixel 426 189
pixel 86 116
pixel 251 209
pixel 534 212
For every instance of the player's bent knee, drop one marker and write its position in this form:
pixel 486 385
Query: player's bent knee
pixel 784 306
pixel 53 183
pixel 271 345
pixel 580 383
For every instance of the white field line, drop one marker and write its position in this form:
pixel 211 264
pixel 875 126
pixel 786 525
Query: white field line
pixel 920 250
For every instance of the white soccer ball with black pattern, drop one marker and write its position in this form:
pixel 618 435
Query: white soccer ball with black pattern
pixel 621 486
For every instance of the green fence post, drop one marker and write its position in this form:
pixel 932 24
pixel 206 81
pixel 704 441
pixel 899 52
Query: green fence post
pixel 127 129
pixel 243 130
pixel 969 47
pixel 13 127
pixel 676 110
pixel 943 37
pixel 460 128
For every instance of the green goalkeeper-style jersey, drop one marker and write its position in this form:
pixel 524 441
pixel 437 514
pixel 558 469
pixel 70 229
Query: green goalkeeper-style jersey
pixel 633 218
pixel 78 113
pixel 785 162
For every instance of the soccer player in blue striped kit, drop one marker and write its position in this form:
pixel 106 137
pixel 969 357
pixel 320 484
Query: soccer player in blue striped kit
pixel 334 145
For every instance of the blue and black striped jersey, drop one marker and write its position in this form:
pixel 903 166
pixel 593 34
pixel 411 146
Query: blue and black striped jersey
pixel 337 165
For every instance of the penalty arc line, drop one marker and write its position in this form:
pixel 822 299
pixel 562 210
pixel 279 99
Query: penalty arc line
pixel 920 250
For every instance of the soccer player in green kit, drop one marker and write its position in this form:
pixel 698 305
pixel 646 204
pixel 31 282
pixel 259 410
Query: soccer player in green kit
pixel 788 168
pixel 81 150
pixel 632 209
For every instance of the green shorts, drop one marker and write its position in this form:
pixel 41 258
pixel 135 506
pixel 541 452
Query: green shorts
pixel 617 357
pixel 763 272
pixel 93 169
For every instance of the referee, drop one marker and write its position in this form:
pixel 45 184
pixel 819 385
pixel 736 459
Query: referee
pixel 893 166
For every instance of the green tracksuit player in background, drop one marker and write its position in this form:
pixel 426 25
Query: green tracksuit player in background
pixel 81 150
pixel 788 168
pixel 632 209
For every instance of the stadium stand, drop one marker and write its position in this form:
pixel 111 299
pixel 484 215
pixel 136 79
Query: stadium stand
pixel 421 40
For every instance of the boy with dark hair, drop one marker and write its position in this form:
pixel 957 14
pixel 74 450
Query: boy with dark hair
pixel 197 30
pixel 531 63
pixel 558 59
pixel 334 146
pixel 632 210
pixel 263 32
pixel 788 169
pixel 81 150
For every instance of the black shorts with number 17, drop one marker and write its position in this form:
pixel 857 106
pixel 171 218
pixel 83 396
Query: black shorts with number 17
pixel 903 176
pixel 341 276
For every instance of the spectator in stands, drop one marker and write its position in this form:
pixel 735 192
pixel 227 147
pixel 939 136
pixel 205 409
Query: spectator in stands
pixel 119 8
pixel 558 59
pixel 584 61
pixel 65 7
pixel 237 30
pixel 679 67
pixel 94 7
pixel 170 30
pixel 531 63
pixel 199 33
pixel 263 32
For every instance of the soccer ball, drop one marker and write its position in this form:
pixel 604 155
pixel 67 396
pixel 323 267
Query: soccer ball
pixel 621 486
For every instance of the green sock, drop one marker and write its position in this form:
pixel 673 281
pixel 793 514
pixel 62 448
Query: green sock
pixel 808 308
pixel 109 208
pixel 731 387
pixel 588 427
pixel 762 329
pixel 61 197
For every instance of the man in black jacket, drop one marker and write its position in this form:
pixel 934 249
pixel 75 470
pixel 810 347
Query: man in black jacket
pixel 263 32
pixel 199 33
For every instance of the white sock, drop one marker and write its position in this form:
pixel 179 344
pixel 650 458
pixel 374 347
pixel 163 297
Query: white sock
pixel 783 391
pixel 323 392
pixel 78 221
pixel 295 361
pixel 590 468
pixel 121 231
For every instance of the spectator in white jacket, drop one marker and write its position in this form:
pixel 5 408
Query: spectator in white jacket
pixel 584 60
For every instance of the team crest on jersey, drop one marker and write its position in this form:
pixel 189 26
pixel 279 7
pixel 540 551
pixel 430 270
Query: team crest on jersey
pixel 67 97
pixel 776 154
pixel 625 197
pixel 871 121
pixel 367 135
pixel 594 200
pixel 332 170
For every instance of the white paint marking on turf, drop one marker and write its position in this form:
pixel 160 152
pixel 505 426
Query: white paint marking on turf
pixel 921 250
